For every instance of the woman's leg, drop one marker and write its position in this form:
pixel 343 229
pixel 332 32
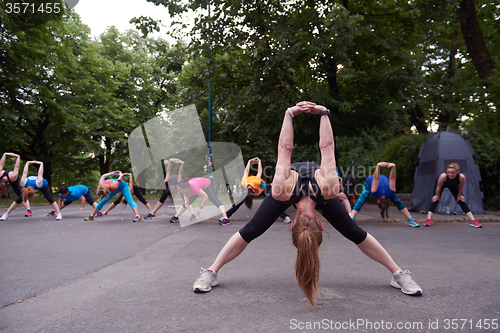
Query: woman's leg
pixel 17 189
pixel 401 207
pixel 46 193
pixel 157 207
pixel 212 196
pixel 128 196
pixel 12 207
pixel 365 193
pixel 335 213
pixel 110 207
pixel 89 199
pixel 265 216
pixel 138 194
pixel 372 248
pixel 233 248
pixel 182 209
pixel 234 208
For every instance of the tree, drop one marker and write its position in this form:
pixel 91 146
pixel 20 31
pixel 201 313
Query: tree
pixel 70 102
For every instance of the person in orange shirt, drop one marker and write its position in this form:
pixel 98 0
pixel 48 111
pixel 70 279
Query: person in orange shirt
pixel 254 185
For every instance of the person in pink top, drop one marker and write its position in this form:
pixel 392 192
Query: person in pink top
pixel 192 189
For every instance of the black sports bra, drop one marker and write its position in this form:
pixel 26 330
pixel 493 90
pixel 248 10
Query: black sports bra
pixel 6 174
pixel 306 183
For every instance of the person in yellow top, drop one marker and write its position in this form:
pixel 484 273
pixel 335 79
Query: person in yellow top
pixel 254 185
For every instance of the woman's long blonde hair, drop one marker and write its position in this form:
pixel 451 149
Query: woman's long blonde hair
pixel 307 237
pixel 28 192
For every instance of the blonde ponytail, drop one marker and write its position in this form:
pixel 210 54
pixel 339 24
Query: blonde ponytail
pixel 307 237
pixel 28 192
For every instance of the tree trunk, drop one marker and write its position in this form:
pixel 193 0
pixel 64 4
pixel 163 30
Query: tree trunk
pixel 104 157
pixel 417 118
pixel 474 39
pixel 330 67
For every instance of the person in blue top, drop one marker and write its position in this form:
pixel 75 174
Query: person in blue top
pixel 30 185
pixel 73 193
pixel 383 188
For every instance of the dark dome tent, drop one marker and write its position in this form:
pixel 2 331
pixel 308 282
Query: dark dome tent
pixel 436 153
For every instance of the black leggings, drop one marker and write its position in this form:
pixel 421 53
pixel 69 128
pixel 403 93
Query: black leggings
pixel 212 196
pixel 236 206
pixel 15 186
pixel 46 193
pixel 138 194
pixel 333 211
pixel 454 191
pixel 166 193
pixel 87 197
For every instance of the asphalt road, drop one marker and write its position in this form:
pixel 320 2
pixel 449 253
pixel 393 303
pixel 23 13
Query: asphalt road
pixel 113 275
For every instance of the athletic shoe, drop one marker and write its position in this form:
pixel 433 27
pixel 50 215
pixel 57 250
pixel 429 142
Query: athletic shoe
pixel 90 218
pixel 287 219
pixel 59 216
pixel 174 219
pixel 4 217
pixel 404 282
pixel 427 223
pixel 99 214
pixel 193 217
pixel 413 223
pixel 137 219
pixel 52 213
pixel 475 224
pixel 206 281
pixel 28 213
pixel 150 216
pixel 224 221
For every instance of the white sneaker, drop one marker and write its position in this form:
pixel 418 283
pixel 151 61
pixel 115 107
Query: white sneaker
pixel 287 220
pixel 59 216
pixel 4 217
pixel 206 281
pixel 404 282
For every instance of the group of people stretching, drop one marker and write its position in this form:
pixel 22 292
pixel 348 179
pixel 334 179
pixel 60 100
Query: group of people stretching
pixel 309 187
pixel 112 184
pixel 384 189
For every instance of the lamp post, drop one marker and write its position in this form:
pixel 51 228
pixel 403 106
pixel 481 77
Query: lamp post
pixel 210 156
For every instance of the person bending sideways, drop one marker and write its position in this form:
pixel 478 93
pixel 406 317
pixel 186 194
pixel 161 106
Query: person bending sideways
pixel 134 189
pixel 108 188
pixel 30 185
pixel 310 187
pixel 383 188
pixel 11 178
pixel 170 182
pixel 193 188
pixel 454 181
pixel 254 185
